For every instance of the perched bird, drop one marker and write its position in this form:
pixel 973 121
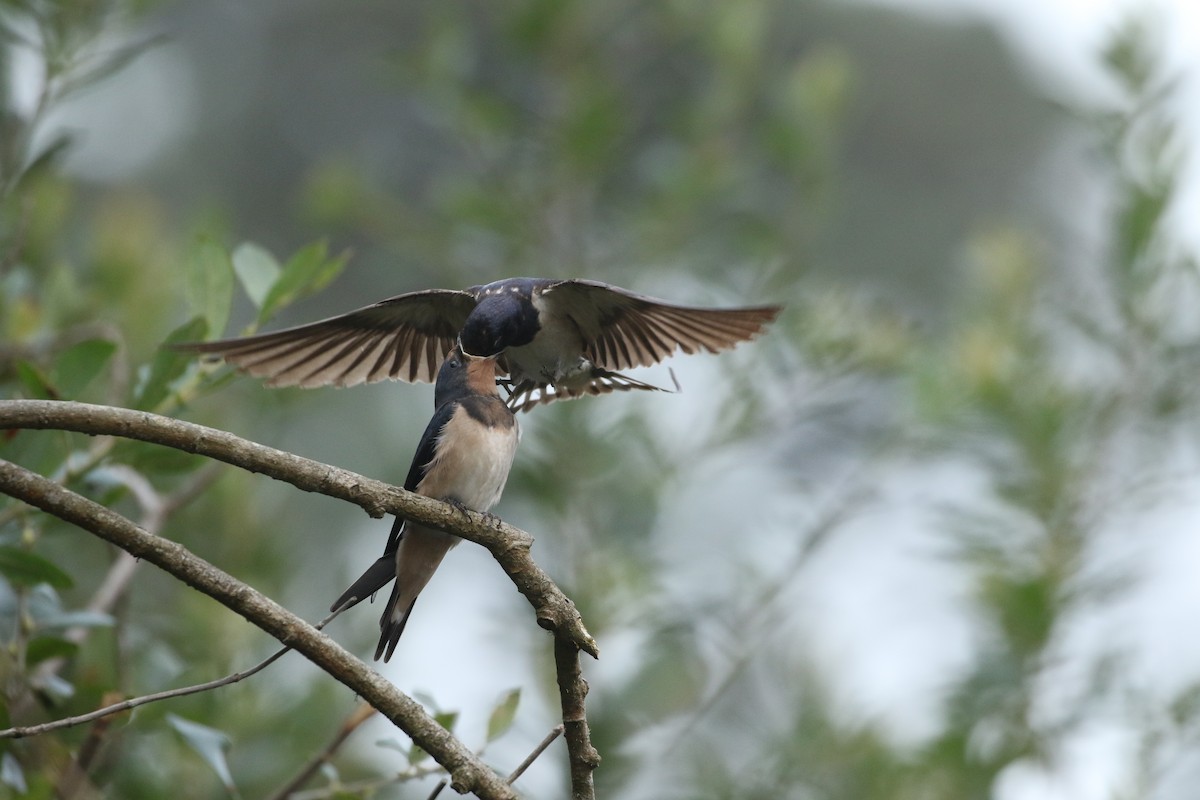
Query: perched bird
pixel 554 338
pixel 464 458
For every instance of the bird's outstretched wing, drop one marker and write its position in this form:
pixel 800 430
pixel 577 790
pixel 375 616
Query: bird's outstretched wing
pixel 404 338
pixel 622 329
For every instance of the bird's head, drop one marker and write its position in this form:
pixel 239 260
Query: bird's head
pixel 499 321
pixel 462 374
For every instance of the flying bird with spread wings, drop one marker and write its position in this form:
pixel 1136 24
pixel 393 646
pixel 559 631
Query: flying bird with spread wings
pixel 554 339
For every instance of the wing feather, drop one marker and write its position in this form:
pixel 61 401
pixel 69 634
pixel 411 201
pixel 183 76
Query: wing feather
pixel 404 338
pixel 622 329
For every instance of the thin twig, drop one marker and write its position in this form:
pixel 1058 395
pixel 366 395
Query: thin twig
pixel 556 732
pixel 524 765
pixel 367 787
pixel 755 622
pixel 357 717
pixel 133 702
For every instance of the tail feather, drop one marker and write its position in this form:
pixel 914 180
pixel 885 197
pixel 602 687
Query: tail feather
pixel 390 629
pixel 420 552
pixel 527 394
pixel 377 576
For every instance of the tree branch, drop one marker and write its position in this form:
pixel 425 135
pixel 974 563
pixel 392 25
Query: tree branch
pixel 467 772
pixel 508 545
pixel 572 689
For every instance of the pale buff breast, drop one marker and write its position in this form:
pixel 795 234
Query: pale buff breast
pixel 471 462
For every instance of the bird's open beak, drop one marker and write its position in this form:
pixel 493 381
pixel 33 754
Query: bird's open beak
pixel 461 349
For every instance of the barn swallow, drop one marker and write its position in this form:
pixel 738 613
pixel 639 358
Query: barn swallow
pixel 555 339
pixel 464 458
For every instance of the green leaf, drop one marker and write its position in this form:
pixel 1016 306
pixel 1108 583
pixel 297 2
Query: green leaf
pixel 36 383
pixel 416 755
pixel 23 568
pixel 330 773
pixel 209 743
pixel 78 365
pixel 1138 222
pixel 73 370
pixel 46 647
pixel 1184 708
pixel 257 270
pixel 49 157
pixel 1128 55
pixel 113 62
pixel 210 284
pixel 57 687
pixel 391 744
pixel 11 774
pixel 76 619
pixel 168 365
pixel 503 715
pixel 308 271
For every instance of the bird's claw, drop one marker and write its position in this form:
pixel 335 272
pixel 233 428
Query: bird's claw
pixel 488 517
pixel 457 505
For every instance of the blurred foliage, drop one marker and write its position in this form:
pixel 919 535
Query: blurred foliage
pixel 559 148
pixel 562 139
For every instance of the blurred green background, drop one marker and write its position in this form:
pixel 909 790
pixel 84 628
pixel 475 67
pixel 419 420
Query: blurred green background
pixel 933 536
